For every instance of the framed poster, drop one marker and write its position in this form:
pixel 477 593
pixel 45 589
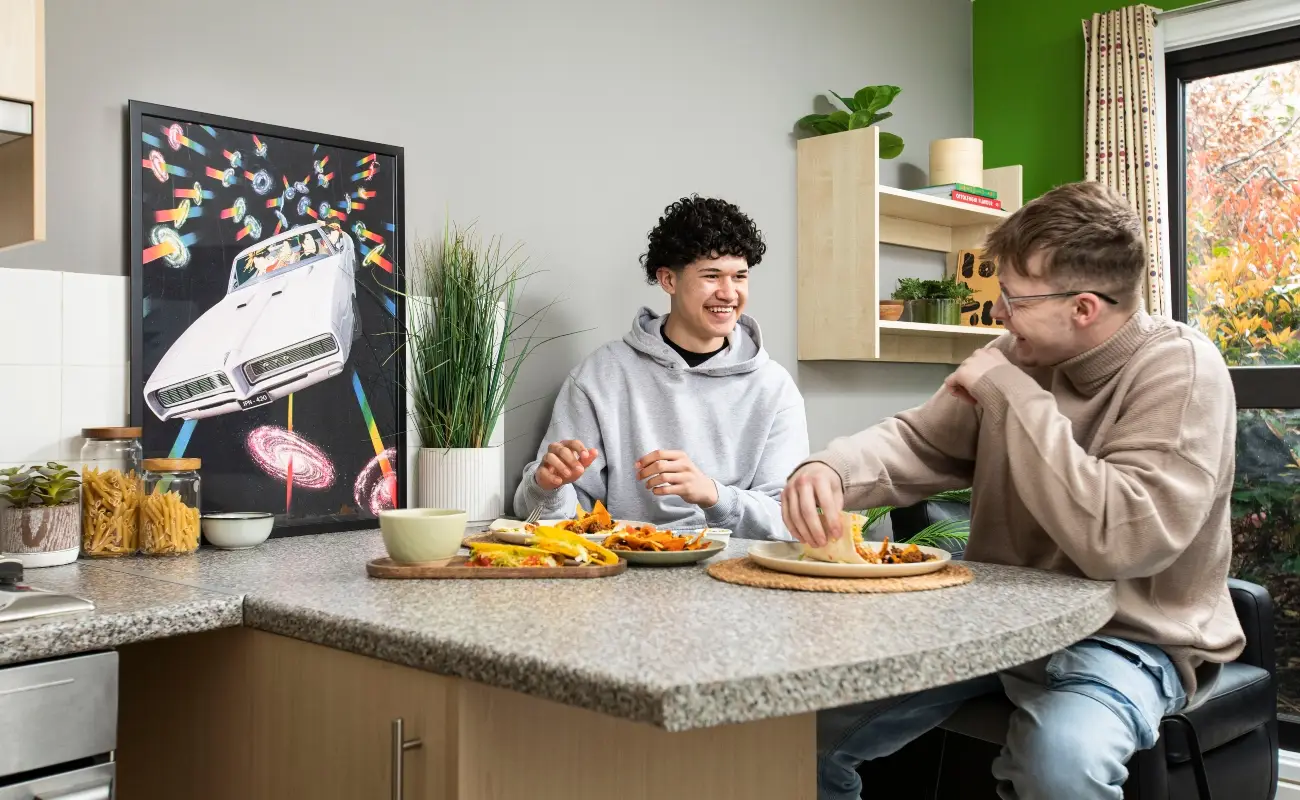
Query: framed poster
pixel 267 305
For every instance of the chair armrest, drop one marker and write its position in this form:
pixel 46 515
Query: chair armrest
pixel 1255 612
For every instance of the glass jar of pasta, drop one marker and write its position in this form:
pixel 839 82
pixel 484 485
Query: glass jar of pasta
pixel 110 491
pixel 169 508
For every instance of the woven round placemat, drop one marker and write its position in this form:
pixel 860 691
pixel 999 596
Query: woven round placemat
pixel 746 572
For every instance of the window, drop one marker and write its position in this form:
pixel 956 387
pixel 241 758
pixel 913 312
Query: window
pixel 1234 167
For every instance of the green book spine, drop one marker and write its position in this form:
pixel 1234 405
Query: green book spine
pixel 982 192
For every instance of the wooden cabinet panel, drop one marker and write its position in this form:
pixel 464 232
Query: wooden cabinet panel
pixel 20 47
pixel 245 714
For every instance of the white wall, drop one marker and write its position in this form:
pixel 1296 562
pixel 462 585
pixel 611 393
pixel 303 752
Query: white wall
pixel 566 124
pixel 63 364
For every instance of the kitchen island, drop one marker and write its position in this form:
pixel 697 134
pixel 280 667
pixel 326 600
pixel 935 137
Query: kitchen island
pixel 656 683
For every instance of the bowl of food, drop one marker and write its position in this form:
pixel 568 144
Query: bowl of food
pixel 422 535
pixel 237 530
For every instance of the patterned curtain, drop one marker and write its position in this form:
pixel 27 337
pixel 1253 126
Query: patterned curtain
pixel 1121 129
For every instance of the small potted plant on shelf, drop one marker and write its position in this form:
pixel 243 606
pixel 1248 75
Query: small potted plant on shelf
pixel 945 300
pixel 910 292
pixel 41 526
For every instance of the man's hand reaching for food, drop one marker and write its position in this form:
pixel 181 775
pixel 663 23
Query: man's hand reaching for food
pixel 666 472
pixel 811 504
pixel 564 463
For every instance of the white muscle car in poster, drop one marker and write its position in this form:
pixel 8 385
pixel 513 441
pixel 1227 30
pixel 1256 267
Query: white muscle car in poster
pixel 287 322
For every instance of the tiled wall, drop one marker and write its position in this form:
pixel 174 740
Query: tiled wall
pixel 63 362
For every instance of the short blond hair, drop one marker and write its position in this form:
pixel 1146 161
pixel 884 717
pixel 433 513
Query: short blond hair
pixel 1090 236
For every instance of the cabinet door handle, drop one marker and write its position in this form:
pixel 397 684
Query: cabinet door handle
pixel 400 745
pixel 103 792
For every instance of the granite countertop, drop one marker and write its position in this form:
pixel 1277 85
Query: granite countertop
pixel 667 646
pixel 127 609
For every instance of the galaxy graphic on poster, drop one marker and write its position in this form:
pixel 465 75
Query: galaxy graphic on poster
pixel 267 303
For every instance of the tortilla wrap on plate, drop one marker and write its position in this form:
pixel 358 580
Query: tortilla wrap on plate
pixel 838 551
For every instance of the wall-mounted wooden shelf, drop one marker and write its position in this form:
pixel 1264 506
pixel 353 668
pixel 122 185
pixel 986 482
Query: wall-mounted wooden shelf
pixel 844 216
pixel 22 160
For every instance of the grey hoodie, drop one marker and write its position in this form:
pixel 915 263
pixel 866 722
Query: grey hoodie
pixel 738 416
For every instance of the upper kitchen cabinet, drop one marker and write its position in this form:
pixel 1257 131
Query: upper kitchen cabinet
pixel 22 122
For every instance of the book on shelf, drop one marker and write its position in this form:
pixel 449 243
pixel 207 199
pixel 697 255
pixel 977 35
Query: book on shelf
pixel 976 200
pixel 945 189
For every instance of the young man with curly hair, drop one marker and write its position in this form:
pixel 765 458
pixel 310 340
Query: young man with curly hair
pixel 1099 442
pixel 685 421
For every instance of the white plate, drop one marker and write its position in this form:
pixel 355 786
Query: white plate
pixel 511 531
pixel 721 535
pixel 784 557
pixel 671 558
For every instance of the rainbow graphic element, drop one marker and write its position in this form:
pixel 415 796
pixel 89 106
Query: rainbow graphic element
pixel 182 439
pixel 366 174
pixel 169 245
pixel 251 228
pixel 226 176
pixel 371 427
pixel 259 147
pixel 275 202
pixel 362 232
pixel 374 256
pixel 235 212
pixel 176 138
pixel 281 223
pixel 178 215
pixel 236 158
pixel 157 164
pixel 150 139
pixel 387 483
pixel 198 194
pixel 209 130
pixel 349 205
pixel 366 160
pixel 364 194
pixel 390 306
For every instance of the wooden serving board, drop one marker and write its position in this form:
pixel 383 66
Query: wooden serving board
pixel 456 569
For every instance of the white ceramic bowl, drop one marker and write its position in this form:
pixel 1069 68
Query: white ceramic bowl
pixel 422 535
pixel 237 530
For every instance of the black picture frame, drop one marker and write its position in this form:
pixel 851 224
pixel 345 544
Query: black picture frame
pixel 391 445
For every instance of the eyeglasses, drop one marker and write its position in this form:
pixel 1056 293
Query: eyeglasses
pixel 1010 301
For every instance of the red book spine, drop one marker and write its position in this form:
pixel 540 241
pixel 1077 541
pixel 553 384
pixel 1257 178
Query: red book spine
pixel 976 200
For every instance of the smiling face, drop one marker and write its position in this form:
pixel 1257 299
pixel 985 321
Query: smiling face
pixel 1049 330
pixel 708 297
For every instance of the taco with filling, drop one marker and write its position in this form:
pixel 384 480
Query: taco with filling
pixel 843 550
pixel 571 545
pixel 492 554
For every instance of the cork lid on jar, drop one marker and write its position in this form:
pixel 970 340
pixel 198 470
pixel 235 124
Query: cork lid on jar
pixel 171 464
pixel 112 433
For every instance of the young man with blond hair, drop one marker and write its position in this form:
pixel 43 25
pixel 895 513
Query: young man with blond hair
pixel 1098 441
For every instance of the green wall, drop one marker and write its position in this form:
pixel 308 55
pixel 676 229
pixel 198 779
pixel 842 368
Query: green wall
pixel 1028 70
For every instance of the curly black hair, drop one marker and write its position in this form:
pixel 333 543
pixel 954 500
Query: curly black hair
pixel 701 227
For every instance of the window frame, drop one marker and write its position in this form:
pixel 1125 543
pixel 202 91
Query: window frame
pixel 1256 387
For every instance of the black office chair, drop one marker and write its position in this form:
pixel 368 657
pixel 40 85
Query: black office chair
pixel 1226 747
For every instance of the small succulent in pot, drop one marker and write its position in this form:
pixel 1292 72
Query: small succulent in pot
pixel 51 485
pixel 42 526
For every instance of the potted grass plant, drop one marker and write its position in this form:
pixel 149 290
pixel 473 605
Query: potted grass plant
pixel 41 525
pixel 465 343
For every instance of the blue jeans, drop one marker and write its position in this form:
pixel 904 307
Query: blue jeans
pixel 1080 715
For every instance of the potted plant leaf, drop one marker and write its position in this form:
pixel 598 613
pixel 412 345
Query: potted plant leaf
pixel 41 526
pixel 864 109
pixel 465 345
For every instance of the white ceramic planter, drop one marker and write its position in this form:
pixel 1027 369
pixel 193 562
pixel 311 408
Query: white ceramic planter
pixel 464 479
pixel 41 536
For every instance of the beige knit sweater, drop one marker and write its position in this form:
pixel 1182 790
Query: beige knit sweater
pixel 1115 465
